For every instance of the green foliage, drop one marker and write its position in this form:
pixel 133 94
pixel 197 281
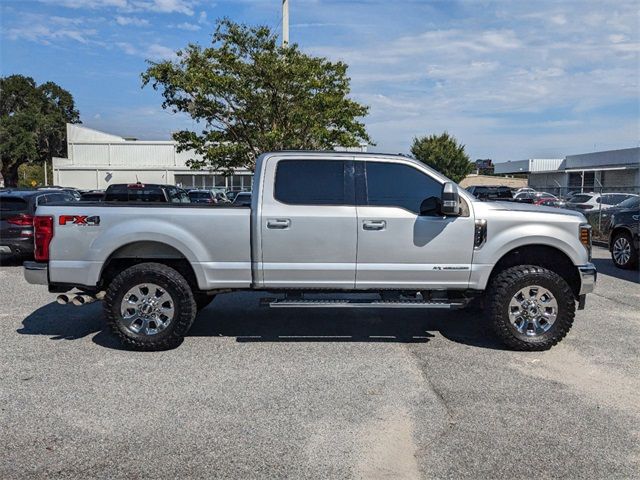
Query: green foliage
pixel 443 153
pixel 32 123
pixel 249 96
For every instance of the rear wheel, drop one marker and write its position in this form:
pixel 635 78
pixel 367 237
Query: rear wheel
pixel 150 307
pixel 530 307
pixel 623 252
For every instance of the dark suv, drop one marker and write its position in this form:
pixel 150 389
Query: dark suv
pixel 145 192
pixel 623 234
pixel 17 208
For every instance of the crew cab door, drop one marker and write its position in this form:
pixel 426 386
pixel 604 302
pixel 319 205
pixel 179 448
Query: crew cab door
pixel 308 223
pixel 398 248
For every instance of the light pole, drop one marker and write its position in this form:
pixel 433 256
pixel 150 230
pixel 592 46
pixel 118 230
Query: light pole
pixel 285 23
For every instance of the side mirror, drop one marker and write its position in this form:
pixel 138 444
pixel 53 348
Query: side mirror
pixel 450 199
pixel 431 207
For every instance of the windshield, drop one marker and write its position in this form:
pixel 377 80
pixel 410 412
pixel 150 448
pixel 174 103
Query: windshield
pixel 633 202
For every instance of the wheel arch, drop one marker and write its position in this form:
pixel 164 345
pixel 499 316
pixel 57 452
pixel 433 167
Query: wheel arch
pixel 142 251
pixel 545 256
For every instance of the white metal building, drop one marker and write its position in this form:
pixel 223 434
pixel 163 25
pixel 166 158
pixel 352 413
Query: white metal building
pixel 98 159
pixel 611 170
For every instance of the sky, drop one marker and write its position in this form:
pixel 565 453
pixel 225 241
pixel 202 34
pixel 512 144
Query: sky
pixel 509 79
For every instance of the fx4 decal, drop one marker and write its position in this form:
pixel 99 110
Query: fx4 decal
pixel 78 220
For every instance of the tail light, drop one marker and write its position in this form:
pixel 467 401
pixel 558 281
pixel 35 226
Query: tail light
pixel 22 220
pixel 43 233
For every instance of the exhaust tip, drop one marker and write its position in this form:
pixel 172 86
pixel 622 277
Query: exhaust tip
pixel 78 300
pixel 62 299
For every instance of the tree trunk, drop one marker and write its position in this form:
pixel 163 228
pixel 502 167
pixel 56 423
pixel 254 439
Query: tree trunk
pixel 10 174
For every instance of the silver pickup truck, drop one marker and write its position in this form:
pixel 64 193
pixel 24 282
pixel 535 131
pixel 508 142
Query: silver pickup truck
pixel 322 222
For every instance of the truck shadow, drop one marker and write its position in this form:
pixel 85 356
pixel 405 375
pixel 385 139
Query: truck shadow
pixel 239 316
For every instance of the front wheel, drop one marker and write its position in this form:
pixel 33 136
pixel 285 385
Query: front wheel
pixel 530 307
pixel 150 307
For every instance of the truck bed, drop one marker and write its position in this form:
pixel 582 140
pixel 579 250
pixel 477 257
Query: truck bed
pixel 214 239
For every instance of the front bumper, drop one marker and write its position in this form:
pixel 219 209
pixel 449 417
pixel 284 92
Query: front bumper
pixel 588 275
pixel 36 273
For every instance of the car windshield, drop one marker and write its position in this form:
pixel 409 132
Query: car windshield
pixel 580 198
pixel 633 202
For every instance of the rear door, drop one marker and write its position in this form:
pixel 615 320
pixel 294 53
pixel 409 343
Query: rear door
pixel 399 248
pixel 308 224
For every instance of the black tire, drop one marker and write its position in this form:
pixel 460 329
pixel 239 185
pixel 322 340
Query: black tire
pixel 202 300
pixel 181 301
pixel 624 238
pixel 506 286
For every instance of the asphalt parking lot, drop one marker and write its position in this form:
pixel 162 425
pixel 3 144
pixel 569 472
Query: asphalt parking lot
pixel 258 393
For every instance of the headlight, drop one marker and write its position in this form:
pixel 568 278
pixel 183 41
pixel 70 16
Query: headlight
pixel 585 237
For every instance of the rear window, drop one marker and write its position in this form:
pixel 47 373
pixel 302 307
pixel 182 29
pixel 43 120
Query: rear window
pixel 310 182
pixel 13 204
pixel 581 198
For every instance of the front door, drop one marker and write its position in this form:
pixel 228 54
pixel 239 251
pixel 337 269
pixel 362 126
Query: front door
pixel 398 248
pixel 308 224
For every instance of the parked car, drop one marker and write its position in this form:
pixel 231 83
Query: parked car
pixel 396 229
pixel 145 192
pixel 623 236
pixel 525 189
pixel 540 197
pixel 533 197
pixel 597 201
pixel 92 196
pixel 202 196
pixel 17 208
pixel 602 218
pixel 552 202
pixel 490 192
pixel 242 199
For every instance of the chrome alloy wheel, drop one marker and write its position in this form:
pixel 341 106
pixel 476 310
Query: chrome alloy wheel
pixel 147 309
pixel 622 250
pixel 533 310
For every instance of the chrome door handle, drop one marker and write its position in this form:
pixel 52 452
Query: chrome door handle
pixel 374 225
pixel 279 223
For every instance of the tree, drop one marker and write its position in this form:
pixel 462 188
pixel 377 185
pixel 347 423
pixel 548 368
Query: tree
pixel 249 95
pixel 443 153
pixel 32 123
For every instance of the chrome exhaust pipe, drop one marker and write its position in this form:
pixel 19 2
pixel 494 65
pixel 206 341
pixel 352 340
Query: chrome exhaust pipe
pixel 63 299
pixel 79 300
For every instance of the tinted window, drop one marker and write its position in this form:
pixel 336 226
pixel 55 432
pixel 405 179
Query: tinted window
pixel 196 195
pixel 134 194
pixel 13 204
pixel 311 182
pixel 398 185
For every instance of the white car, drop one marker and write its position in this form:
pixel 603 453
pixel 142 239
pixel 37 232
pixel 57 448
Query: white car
pixel 590 201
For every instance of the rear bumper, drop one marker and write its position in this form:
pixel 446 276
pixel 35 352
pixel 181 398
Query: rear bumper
pixel 16 245
pixel 36 273
pixel 588 276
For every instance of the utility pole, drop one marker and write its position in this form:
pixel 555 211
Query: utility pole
pixel 285 23
pixel 46 181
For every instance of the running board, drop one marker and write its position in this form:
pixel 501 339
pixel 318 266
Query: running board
pixel 284 303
